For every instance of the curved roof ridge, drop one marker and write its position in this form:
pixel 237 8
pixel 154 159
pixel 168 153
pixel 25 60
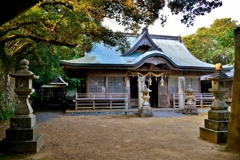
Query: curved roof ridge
pixel 138 41
pixel 59 80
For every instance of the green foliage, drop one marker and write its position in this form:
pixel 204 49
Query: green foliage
pixel 44 61
pixel 6 110
pixel 51 32
pixel 47 65
pixel 214 44
pixel 6 113
pixel 72 82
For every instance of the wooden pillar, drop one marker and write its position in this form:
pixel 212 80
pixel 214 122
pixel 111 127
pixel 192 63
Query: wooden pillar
pixel 127 90
pixel 181 89
pixel 233 138
pixel 93 104
pixel 141 82
pixel 110 104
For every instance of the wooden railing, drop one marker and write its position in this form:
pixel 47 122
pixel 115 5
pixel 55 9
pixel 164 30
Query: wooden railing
pixel 202 99
pixel 100 100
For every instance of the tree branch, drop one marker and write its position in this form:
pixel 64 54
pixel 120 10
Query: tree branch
pixel 27 23
pixel 66 4
pixel 18 26
pixel 50 41
pixel 59 21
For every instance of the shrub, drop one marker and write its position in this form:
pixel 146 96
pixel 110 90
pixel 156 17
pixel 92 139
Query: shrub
pixel 6 113
pixel 6 110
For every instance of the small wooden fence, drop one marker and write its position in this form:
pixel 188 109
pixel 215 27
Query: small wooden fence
pixel 100 100
pixel 202 99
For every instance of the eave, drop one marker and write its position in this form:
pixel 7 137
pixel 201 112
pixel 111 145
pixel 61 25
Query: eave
pixel 84 66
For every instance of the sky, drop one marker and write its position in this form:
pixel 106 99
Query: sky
pixel 174 27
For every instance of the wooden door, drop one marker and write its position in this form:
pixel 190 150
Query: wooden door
pixel 163 93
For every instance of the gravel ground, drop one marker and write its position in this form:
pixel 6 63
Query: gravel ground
pixel 166 136
pixel 46 116
pixel 43 116
pixel 167 114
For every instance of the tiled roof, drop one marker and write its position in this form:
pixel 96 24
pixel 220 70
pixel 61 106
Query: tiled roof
pixel 171 49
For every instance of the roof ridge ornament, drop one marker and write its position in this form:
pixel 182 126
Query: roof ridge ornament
pixel 180 38
pixel 145 29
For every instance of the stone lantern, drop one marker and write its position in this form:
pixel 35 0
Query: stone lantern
pixel 22 136
pixel 216 126
pixel 190 107
pixel 145 110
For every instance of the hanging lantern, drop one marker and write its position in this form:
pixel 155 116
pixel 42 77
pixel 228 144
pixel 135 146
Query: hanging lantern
pixel 150 81
pixel 162 81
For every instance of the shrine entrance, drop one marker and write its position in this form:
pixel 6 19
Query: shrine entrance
pixel 156 87
pixel 154 94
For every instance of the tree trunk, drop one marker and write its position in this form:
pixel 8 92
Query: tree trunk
pixel 7 84
pixel 233 139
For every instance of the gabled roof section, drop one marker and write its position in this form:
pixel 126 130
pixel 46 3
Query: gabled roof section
pixel 143 40
pixel 58 83
pixel 59 80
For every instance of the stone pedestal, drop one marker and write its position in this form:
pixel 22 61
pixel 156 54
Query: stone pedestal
pixel 22 136
pixel 145 111
pixel 216 126
pixel 190 109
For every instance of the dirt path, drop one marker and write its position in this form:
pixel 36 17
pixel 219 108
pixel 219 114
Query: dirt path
pixel 124 137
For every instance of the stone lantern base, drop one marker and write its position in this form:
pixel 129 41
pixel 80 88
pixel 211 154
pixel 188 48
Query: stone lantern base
pixel 145 112
pixel 22 136
pixel 216 126
pixel 190 110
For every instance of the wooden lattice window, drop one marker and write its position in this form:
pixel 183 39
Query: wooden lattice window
pixel 96 84
pixel 173 85
pixel 115 85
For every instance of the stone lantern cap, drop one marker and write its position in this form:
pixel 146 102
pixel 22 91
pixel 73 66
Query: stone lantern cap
pixel 190 89
pixel 24 72
pixel 145 89
pixel 218 75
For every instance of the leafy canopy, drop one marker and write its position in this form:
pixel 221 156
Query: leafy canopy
pixel 214 44
pixel 64 22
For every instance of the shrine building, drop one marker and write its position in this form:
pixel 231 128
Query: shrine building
pixel 108 75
